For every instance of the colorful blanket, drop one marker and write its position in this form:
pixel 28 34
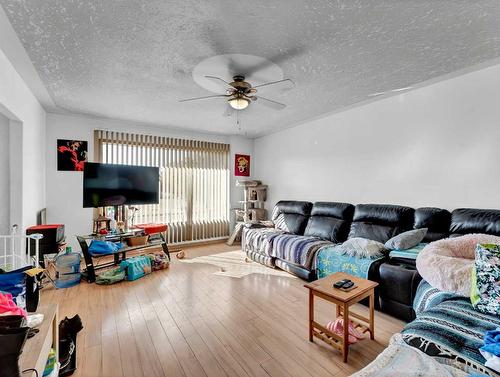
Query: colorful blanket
pixel 452 329
pixel 330 260
pixel 411 253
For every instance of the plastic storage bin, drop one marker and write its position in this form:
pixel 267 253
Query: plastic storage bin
pixel 67 269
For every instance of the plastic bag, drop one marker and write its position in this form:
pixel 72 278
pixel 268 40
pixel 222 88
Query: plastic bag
pixel 104 247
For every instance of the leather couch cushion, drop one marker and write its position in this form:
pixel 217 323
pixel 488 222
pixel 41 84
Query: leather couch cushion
pixel 343 211
pixel 380 222
pixel 472 220
pixel 291 216
pixel 436 220
pixel 330 221
pixel 380 233
pixel 398 286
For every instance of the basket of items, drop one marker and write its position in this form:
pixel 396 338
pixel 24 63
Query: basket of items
pixel 138 240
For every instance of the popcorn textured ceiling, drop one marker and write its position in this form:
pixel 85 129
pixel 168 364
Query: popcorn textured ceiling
pixel 133 60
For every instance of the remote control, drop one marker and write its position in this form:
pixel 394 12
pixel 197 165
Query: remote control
pixel 348 285
pixel 340 283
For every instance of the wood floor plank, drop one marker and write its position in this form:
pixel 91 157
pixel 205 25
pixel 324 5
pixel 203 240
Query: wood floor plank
pixel 111 356
pixel 194 320
pixel 129 349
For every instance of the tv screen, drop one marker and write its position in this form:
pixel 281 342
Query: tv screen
pixel 115 185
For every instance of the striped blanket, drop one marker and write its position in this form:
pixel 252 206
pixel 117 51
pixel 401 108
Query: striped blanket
pixel 452 329
pixel 427 297
pixel 300 250
pixel 259 240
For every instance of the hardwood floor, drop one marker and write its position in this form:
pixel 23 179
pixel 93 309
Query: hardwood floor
pixel 188 321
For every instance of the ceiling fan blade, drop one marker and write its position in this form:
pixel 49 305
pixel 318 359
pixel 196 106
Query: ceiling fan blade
pixel 284 84
pixel 228 111
pixel 206 97
pixel 218 80
pixel 276 59
pixel 269 103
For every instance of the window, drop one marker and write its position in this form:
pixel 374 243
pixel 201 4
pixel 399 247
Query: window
pixel 194 181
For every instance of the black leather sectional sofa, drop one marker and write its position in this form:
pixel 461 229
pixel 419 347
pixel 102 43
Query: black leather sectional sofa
pixel 302 228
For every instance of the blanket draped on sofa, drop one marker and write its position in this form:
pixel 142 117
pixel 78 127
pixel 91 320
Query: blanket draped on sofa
pixel 453 329
pixel 330 260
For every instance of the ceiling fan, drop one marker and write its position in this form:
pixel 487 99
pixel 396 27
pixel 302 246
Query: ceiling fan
pixel 239 93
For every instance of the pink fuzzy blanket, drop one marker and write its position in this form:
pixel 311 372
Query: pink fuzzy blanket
pixel 447 264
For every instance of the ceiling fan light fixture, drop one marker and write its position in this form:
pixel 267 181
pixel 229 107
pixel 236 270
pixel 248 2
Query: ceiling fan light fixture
pixel 239 103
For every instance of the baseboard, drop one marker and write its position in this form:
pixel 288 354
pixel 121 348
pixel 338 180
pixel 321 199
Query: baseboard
pixel 178 246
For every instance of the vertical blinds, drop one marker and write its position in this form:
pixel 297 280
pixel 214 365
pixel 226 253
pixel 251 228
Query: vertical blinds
pixel 194 181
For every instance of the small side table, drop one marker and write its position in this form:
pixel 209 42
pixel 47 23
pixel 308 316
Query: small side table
pixel 323 288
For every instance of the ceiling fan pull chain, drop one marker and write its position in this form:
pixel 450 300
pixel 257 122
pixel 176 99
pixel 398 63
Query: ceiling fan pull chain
pixel 238 124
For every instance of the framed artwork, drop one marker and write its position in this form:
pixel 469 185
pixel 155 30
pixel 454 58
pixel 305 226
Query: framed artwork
pixel 242 165
pixel 71 155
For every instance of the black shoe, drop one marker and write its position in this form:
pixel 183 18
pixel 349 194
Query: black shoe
pixel 11 346
pixel 69 327
pixel 66 350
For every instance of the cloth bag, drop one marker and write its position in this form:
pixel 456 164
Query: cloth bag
pixel 136 267
pixel 23 288
pixel 111 276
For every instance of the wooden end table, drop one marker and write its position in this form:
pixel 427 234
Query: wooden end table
pixel 323 288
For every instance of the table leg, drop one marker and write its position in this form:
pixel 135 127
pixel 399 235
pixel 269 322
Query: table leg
pixel 372 316
pixel 164 246
pixel 337 311
pixel 345 343
pixel 311 315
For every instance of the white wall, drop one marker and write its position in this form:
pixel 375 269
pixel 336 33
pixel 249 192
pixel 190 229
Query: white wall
pixel 435 146
pixel 4 175
pixel 27 141
pixel 64 189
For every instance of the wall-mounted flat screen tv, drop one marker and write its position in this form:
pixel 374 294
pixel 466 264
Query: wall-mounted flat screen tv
pixel 115 185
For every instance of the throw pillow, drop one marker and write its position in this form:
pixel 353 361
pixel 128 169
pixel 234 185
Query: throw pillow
pixel 485 292
pixel 406 240
pixel 362 248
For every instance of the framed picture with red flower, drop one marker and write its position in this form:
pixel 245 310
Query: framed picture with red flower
pixel 242 165
pixel 71 155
